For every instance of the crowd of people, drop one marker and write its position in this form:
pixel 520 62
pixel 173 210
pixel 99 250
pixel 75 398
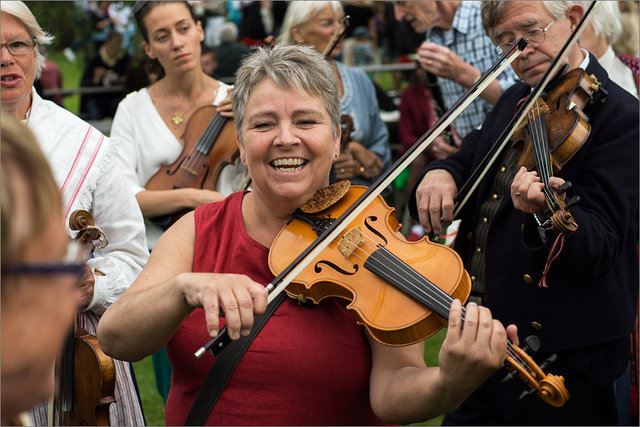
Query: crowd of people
pixel 542 246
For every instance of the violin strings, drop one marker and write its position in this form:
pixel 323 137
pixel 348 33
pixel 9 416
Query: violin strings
pixel 540 148
pixel 441 300
pixel 206 140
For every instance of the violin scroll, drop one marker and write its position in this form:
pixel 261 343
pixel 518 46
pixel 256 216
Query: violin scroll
pixel 550 388
pixel 557 216
pixel 88 232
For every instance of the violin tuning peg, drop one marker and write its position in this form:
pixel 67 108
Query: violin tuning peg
pixel 507 378
pixel 548 361
pixel 564 187
pixel 527 393
pixel 532 343
pixel 573 201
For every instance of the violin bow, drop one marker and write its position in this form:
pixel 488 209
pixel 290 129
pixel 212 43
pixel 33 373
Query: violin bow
pixel 336 37
pixel 478 174
pixel 218 343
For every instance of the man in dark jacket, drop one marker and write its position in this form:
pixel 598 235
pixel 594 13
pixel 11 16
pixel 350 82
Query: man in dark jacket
pixel 584 309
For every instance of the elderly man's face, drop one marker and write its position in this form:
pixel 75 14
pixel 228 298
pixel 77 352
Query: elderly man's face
pixel 522 16
pixel 422 15
pixel 17 71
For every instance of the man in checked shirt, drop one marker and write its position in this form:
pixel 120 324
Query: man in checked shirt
pixel 457 51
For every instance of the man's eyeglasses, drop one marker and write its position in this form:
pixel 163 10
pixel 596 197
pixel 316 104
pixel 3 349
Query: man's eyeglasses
pixel 73 263
pixel 20 47
pixel 534 37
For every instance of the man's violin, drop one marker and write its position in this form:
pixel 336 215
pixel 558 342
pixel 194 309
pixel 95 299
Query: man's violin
pixel 555 129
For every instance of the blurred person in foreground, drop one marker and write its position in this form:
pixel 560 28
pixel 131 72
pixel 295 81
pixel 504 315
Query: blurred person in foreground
pixel 40 274
pixel 86 171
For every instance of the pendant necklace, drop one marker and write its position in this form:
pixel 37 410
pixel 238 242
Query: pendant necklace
pixel 178 117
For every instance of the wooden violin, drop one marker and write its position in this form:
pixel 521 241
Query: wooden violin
pixel 87 376
pixel 209 145
pixel 392 287
pixel 346 123
pixel 554 130
pixel 334 229
pixel 563 99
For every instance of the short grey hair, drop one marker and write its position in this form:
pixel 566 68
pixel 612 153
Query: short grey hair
pixel 492 11
pixel 289 67
pixel 22 13
pixel 228 32
pixel 299 12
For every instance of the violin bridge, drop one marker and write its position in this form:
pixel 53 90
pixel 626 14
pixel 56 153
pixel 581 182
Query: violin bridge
pixel 351 241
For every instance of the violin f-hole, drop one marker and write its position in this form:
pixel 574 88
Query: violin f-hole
pixel 318 268
pixel 367 222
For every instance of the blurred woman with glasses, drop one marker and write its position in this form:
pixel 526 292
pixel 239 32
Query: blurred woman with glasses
pixel 85 169
pixel 39 288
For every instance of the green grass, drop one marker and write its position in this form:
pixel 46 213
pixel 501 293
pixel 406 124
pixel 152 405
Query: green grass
pixel 154 407
pixel 152 403
pixel 71 76
pixel 431 350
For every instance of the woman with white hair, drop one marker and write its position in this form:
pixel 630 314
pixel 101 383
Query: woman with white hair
pixel 84 166
pixel 367 153
pixel 604 29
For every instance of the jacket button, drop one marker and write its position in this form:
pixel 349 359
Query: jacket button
pixel 527 279
pixel 536 326
pixel 473 279
pixel 494 196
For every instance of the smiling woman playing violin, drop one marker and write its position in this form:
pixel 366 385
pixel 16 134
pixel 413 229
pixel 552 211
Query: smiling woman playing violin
pixel 584 309
pixel 367 154
pixel 214 261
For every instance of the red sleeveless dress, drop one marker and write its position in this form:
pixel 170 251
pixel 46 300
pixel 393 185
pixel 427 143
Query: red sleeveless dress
pixel 308 365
